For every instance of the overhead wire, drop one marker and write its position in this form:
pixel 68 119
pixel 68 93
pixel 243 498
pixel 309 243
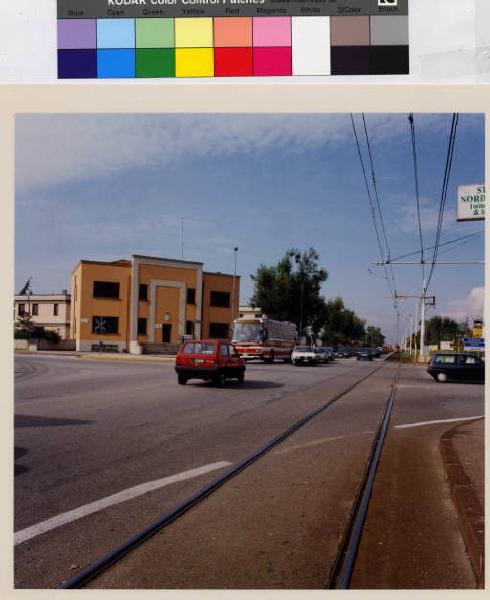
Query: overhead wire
pixel 444 191
pixel 464 237
pixel 411 120
pixel 380 212
pixel 373 214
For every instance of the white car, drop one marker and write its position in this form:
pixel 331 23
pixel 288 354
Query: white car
pixel 304 355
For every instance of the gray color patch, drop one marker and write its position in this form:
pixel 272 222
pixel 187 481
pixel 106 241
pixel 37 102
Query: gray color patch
pixel 389 30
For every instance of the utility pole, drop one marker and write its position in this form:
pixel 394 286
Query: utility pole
pixel 181 239
pixel 235 250
pixel 411 334
pixel 422 322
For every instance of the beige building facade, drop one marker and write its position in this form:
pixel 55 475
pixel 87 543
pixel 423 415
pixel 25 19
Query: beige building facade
pixel 128 305
pixel 51 311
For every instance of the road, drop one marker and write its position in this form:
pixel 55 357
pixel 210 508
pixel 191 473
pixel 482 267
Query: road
pixel 88 430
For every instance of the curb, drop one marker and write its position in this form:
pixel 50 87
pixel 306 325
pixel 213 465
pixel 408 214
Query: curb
pixel 470 512
pixel 127 358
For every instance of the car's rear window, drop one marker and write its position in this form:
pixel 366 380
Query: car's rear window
pixel 304 349
pixel 445 359
pixel 199 348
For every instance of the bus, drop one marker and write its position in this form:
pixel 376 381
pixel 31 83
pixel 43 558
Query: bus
pixel 264 338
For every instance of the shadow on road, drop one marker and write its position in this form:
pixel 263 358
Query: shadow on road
pixel 19 452
pixel 248 384
pixel 35 421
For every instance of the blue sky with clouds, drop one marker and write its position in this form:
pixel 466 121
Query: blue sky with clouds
pixel 104 187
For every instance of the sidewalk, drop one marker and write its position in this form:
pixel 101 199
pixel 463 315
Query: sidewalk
pixel 463 454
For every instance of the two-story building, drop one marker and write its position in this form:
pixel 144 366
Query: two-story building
pixel 127 304
pixel 51 311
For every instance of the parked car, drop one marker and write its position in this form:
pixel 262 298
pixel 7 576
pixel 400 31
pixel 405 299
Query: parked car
pixel 456 366
pixel 322 354
pixel 304 355
pixel 215 360
pixel 365 354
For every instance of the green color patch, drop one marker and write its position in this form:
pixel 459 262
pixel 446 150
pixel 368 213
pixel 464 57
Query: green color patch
pixel 155 33
pixel 155 62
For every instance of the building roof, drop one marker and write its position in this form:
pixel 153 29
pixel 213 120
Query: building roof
pixel 177 260
pixel 220 274
pixel 34 297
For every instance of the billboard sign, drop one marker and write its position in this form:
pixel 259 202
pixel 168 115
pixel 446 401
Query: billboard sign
pixel 471 203
pixel 474 344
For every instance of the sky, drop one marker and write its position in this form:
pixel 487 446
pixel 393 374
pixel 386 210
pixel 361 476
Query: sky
pixel 104 187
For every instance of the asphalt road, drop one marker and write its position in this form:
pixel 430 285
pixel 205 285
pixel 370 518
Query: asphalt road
pixel 86 430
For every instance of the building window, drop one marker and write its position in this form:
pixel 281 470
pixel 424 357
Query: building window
pixel 220 299
pixel 218 330
pixel 55 309
pixel 106 289
pixel 143 291
pixel 189 328
pixel 142 326
pixel 35 309
pixel 22 310
pixel 191 296
pixel 105 325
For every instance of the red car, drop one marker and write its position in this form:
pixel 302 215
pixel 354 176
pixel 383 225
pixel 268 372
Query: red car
pixel 216 360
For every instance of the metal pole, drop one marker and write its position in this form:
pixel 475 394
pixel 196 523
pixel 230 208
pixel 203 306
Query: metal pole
pixel 301 312
pixel 422 325
pixel 416 329
pixel 235 250
pixel 411 334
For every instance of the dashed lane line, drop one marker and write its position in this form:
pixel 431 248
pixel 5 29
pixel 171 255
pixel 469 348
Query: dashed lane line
pixel 422 423
pixel 88 509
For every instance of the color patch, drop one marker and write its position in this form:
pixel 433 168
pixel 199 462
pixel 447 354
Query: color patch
pixel 350 60
pixel 350 31
pixel 271 61
pixel 194 33
pixel 194 62
pixel 271 31
pixel 118 33
pixel 233 62
pixel 77 64
pixel 311 45
pixel 155 62
pixel 77 34
pixel 116 64
pixel 231 32
pixel 385 60
pixel 232 38
pixel 155 33
pixel 389 30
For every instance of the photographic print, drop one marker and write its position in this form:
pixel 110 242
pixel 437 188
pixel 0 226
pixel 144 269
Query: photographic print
pixel 249 348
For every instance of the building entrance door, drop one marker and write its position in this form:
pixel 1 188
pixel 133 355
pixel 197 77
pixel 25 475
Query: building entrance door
pixel 166 334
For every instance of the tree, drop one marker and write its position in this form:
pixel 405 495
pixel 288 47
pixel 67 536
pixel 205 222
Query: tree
pixel 341 325
pixel 374 337
pixel 441 328
pixel 290 290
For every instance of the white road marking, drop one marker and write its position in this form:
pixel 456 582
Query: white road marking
pixel 422 423
pixel 321 441
pixel 82 511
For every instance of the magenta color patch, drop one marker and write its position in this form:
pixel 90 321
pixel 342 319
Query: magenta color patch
pixel 272 61
pixel 271 31
pixel 77 34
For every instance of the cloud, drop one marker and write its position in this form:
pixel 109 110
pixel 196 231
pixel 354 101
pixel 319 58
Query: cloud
pixel 59 149
pixel 56 149
pixel 471 306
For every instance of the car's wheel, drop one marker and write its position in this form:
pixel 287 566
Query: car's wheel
pixel 182 379
pixel 241 377
pixel 441 377
pixel 220 379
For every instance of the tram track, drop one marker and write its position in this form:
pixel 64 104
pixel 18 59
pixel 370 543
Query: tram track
pixel 107 560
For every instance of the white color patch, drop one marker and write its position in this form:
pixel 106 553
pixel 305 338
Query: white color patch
pixel 83 511
pixel 422 423
pixel 311 45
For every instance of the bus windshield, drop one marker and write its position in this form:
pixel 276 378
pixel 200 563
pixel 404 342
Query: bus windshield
pixel 246 332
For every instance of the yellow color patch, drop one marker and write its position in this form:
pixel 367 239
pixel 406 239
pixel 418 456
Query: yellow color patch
pixel 194 62
pixel 194 33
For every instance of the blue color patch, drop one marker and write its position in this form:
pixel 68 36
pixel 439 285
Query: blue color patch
pixel 77 64
pixel 116 33
pixel 116 64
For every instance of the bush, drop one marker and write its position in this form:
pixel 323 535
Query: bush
pixel 52 336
